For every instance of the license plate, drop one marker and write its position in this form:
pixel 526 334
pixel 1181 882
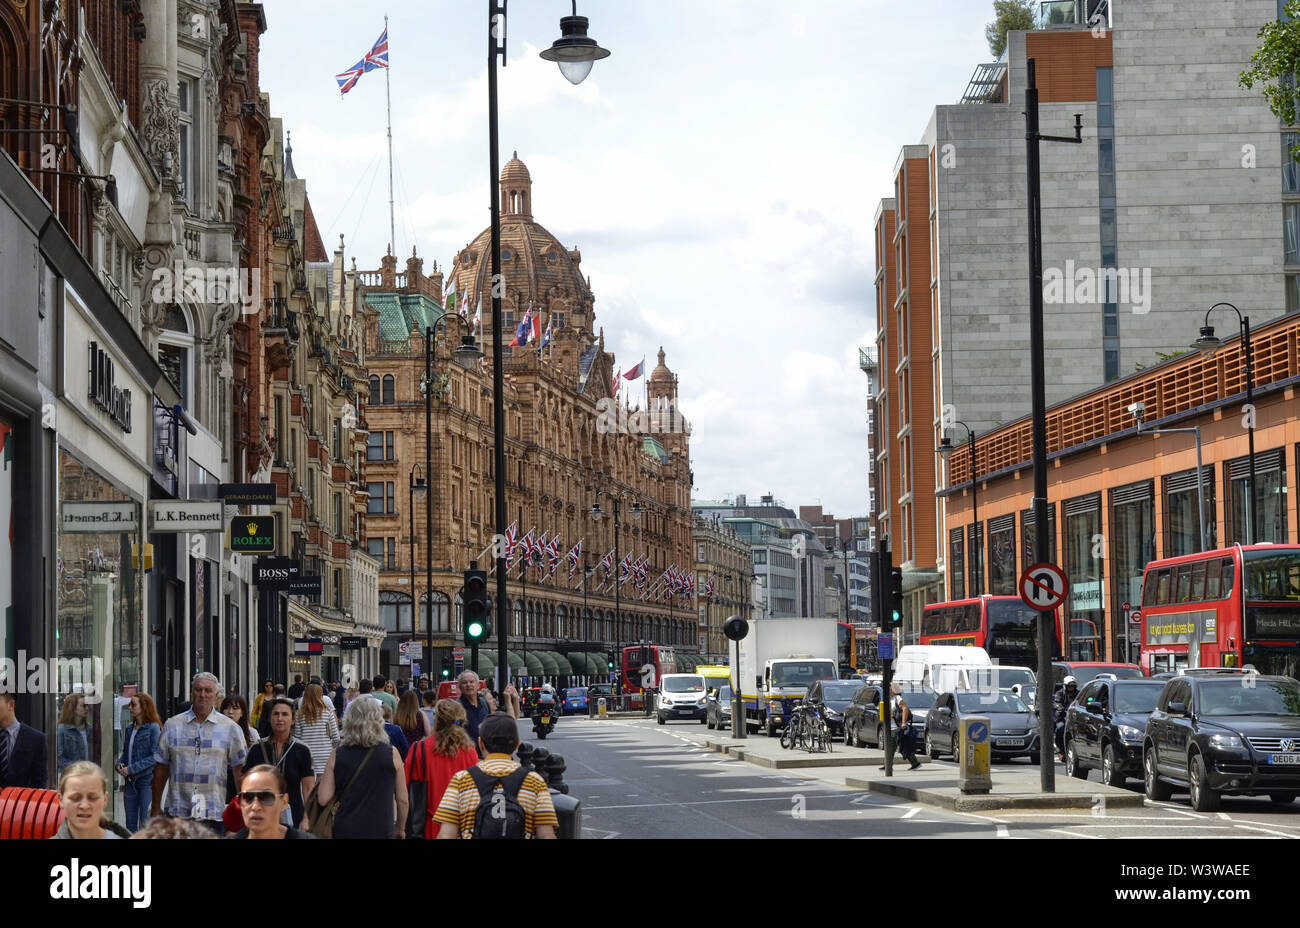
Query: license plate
pixel 685 710
pixel 1284 759
pixel 546 720
pixel 1010 742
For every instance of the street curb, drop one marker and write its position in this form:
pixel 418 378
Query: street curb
pixel 944 798
pixel 792 761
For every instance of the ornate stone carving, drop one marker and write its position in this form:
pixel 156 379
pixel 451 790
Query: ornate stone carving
pixel 160 131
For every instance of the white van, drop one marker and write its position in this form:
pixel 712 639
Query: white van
pixel 936 667
pixel 681 696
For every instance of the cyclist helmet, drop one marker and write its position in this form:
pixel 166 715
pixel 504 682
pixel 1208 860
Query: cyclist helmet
pixel 1069 681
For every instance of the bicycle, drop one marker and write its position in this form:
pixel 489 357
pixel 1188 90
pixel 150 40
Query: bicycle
pixel 816 732
pixel 792 734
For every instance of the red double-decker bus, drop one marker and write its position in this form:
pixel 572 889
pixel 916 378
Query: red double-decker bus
pixel 1230 607
pixel 846 648
pixel 1002 625
pixel 636 657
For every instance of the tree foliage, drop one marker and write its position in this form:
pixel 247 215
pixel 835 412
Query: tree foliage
pixel 1274 64
pixel 1007 15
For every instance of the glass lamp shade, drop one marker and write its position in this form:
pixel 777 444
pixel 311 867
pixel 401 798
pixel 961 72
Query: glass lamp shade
pixel 419 489
pixel 574 51
pixel 595 512
pixel 575 72
pixel 1207 344
pixel 945 448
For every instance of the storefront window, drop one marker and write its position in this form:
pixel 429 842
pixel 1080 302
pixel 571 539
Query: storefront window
pixel 98 597
pixel 975 540
pixel 1002 555
pixel 956 565
pixel 1270 499
pixel 1133 543
pixel 1084 557
pixel 1182 528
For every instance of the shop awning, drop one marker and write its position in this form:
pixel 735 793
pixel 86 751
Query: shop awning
pixel 486 669
pixel 535 666
pixel 549 665
pixel 516 660
pixel 597 665
pixel 562 662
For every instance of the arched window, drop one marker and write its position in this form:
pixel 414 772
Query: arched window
pixel 395 610
pixel 176 352
pixel 390 390
pixel 374 389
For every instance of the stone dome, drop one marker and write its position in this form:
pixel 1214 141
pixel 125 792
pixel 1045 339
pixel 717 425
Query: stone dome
pixel 661 373
pixel 515 172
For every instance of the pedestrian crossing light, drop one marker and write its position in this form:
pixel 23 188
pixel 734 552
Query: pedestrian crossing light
pixel 475 600
pixel 896 595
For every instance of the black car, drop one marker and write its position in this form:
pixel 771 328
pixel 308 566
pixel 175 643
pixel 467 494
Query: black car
pixel 1013 727
pixel 834 697
pixel 861 714
pixel 1104 728
pixel 717 714
pixel 1236 734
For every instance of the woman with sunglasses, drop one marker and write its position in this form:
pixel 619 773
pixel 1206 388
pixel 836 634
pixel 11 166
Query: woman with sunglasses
pixel 263 798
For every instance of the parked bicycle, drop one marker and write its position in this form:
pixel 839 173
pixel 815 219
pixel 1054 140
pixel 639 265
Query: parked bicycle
pixel 807 729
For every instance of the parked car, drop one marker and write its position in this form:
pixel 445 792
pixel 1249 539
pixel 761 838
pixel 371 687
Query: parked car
pixel 862 718
pixel 1013 727
pixel 861 714
pixel 681 696
pixel 834 696
pixel 717 714
pixel 575 699
pixel 1213 735
pixel 1104 728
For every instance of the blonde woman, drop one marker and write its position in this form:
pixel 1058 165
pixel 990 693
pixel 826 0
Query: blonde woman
pixel 83 795
pixel 434 761
pixel 317 727
pixel 365 772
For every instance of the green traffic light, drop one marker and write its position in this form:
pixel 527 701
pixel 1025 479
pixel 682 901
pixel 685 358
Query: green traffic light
pixel 446 673
pixel 474 630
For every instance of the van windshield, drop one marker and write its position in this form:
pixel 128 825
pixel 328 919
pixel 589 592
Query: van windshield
pixel 802 673
pixel 683 684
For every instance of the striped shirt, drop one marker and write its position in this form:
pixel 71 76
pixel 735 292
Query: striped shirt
pixel 462 798
pixel 320 736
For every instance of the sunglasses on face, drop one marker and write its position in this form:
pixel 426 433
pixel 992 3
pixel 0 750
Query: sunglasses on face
pixel 263 797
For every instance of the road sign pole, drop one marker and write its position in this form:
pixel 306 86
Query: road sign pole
pixel 885 564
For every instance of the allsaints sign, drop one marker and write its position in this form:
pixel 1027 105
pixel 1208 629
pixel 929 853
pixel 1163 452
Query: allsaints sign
pixel 104 392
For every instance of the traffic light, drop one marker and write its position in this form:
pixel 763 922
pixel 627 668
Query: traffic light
pixel 474 597
pixel 446 667
pixel 609 659
pixel 896 596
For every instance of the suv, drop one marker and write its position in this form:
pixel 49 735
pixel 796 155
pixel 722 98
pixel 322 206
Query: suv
pixel 1237 734
pixel 1083 671
pixel 1104 727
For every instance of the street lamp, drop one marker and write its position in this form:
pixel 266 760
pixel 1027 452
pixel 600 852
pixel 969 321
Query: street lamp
pixel 945 450
pixel 418 490
pixel 573 47
pixel 1207 344
pixel 597 514
pixel 466 354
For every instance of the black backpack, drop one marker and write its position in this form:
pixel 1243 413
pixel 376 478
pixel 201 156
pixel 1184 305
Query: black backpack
pixel 499 814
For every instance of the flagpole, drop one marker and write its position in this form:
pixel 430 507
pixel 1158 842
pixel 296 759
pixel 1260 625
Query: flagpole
pixel 388 98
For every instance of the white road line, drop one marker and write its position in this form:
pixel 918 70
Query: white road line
pixel 1089 815
pixel 1225 816
pixel 1267 831
pixel 1075 834
pixel 915 810
pixel 1002 832
pixel 703 802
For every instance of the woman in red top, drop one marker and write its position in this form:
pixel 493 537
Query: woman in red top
pixel 437 759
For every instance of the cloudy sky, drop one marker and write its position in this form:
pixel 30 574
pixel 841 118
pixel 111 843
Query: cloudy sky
pixel 720 173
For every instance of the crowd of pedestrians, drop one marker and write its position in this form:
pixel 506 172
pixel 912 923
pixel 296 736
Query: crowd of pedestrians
pixel 366 761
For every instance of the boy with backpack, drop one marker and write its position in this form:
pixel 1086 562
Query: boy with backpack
pixel 496 798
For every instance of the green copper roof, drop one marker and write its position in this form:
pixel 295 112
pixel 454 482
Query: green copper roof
pixel 652 446
pixel 399 313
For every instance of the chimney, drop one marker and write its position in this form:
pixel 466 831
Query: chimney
pixel 414 272
pixel 388 271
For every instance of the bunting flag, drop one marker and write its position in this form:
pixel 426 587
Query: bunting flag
pixel 511 534
pixel 607 563
pixel 574 553
pixel 637 371
pixel 553 555
pixel 376 58
pixel 708 589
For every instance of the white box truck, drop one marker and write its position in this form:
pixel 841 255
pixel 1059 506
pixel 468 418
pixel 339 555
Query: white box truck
pixel 779 660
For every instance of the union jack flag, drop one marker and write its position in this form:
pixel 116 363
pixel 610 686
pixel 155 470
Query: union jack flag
pixel 624 569
pixel 553 553
pixel 708 589
pixel 511 534
pixel 607 563
pixel 376 58
pixel 574 554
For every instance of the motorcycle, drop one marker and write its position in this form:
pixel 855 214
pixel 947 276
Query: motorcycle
pixel 544 717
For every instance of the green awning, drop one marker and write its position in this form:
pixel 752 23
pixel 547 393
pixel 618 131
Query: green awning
pixel 486 668
pixel 535 666
pixel 516 661
pixel 564 668
pixel 598 665
pixel 577 661
pixel 549 665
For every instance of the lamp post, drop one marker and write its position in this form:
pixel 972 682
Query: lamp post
pixel 575 53
pixel 596 513
pixel 466 354
pixel 1207 344
pixel 418 490
pixel 945 450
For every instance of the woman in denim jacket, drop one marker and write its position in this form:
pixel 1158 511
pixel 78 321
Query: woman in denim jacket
pixel 136 764
pixel 72 739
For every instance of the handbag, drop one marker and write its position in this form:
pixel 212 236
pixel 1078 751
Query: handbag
pixel 418 792
pixel 320 819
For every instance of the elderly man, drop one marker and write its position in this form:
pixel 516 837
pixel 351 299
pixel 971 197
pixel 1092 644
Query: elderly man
pixel 479 704
pixel 198 749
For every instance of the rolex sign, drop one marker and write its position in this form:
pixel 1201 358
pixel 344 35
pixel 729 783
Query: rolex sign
pixel 252 534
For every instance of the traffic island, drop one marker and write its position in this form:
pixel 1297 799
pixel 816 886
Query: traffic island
pixel 1013 788
pixel 767 752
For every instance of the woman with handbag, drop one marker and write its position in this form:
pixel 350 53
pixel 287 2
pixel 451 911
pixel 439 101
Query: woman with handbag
pixel 135 766
pixel 363 779
pixel 432 763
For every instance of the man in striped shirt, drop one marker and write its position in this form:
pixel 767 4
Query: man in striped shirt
pixel 498 740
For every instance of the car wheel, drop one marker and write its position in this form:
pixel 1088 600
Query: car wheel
pixel 880 737
pixel 1204 799
pixel 1111 774
pixel 930 748
pixel 704 720
pixel 1072 765
pixel 662 720
pixel 858 740
pixel 770 727
pixel 1036 759
pixel 956 747
pixel 1281 799
pixel 1156 789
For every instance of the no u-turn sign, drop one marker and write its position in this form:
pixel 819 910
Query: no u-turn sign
pixel 1043 587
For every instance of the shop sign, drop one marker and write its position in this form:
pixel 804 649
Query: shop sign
pixel 352 642
pixel 305 585
pixel 247 494
pixel 104 392
pixel 252 534
pixel 274 573
pixel 96 516
pixel 166 515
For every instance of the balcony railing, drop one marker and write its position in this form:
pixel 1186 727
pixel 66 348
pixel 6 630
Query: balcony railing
pixel 1053 14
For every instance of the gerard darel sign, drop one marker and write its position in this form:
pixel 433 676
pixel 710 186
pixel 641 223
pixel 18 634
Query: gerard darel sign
pixel 252 534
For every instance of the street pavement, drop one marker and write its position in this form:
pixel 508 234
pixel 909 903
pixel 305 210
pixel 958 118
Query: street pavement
pixel 638 779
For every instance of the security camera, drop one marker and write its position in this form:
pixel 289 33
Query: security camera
pixel 1137 410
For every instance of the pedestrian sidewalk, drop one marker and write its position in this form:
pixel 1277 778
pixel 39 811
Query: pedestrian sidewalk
pixel 1015 786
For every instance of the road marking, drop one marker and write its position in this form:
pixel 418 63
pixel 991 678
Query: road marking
pixel 703 802
pixel 915 810
pixel 1268 831
pixel 1075 834
pixel 1225 816
pixel 1002 832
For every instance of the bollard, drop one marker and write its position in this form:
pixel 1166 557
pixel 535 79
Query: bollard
pixel 973 756
pixel 550 767
pixel 601 710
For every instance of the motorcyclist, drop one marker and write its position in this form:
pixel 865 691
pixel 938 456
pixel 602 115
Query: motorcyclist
pixel 1061 700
